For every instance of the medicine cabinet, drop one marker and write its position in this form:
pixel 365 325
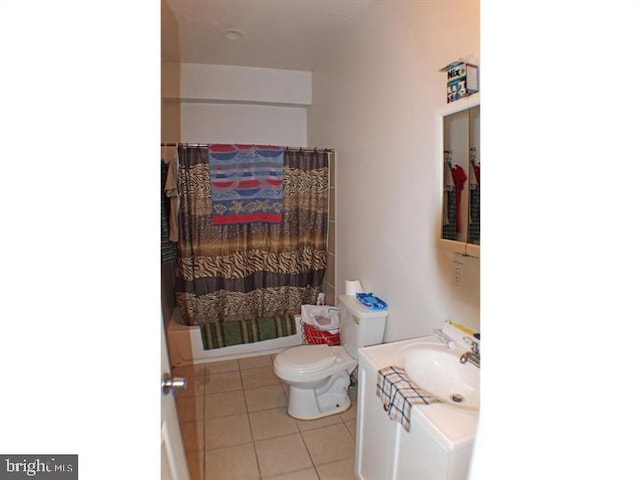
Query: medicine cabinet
pixel 459 154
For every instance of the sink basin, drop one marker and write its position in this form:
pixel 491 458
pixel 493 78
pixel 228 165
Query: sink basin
pixel 438 370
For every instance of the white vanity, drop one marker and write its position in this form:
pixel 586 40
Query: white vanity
pixel 440 441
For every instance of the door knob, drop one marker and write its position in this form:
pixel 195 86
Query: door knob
pixel 170 383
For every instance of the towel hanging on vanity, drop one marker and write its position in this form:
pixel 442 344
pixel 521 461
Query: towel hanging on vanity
pixel 399 394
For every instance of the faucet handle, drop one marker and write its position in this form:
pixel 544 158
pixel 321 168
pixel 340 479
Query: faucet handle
pixel 475 348
pixel 446 339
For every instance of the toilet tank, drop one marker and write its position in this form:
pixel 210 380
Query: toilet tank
pixel 359 326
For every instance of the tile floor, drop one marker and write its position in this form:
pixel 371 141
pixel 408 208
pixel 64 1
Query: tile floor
pixel 235 425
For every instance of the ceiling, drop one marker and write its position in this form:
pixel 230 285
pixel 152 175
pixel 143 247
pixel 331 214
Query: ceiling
pixel 285 34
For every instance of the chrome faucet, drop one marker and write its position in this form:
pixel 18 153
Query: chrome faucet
pixel 472 356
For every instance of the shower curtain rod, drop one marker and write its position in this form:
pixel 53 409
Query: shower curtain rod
pixel 301 149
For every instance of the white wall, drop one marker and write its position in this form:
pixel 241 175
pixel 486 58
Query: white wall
pixel 231 104
pixel 249 124
pixel 375 98
pixel 247 84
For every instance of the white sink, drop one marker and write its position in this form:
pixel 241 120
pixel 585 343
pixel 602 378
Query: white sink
pixel 438 370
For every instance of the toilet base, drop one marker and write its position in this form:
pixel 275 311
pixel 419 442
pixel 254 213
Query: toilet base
pixel 329 398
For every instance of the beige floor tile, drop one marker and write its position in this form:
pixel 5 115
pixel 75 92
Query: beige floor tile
pixel 329 444
pixel 265 398
pixel 231 404
pixel 271 423
pixel 223 366
pixel 350 414
pixel 223 404
pixel 226 431
pixel 192 435
pixel 319 422
pixel 352 427
pixel 231 463
pixel 195 386
pixel 223 382
pixel 342 470
pixel 281 455
pixel 285 389
pixel 195 461
pixel 258 377
pixel 307 474
pixel 254 362
pixel 190 408
pixel 189 370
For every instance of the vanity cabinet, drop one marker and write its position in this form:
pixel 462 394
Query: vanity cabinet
pixel 438 445
pixel 459 154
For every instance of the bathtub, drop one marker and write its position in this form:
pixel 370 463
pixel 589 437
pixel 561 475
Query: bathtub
pixel 185 345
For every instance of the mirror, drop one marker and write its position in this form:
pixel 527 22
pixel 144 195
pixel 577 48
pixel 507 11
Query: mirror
pixel 461 178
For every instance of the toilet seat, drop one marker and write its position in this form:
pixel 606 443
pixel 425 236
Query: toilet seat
pixel 311 363
pixel 307 358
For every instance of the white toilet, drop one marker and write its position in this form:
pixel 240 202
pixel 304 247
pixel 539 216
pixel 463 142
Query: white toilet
pixel 318 375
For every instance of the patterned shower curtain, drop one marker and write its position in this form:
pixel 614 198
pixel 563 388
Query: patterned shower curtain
pixel 247 271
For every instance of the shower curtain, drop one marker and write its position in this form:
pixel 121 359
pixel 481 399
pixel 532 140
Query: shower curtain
pixel 250 270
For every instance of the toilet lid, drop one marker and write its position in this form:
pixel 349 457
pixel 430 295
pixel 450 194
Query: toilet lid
pixel 307 358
